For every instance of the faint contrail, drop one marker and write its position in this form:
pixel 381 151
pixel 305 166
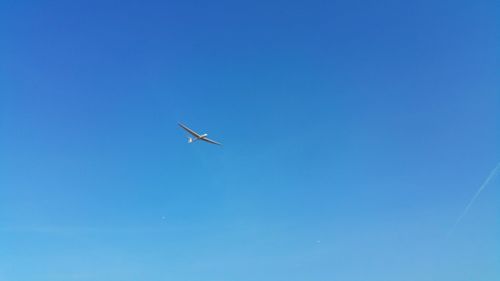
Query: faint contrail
pixel 485 183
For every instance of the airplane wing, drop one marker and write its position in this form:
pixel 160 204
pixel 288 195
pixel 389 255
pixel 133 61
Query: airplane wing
pixel 210 141
pixel 195 134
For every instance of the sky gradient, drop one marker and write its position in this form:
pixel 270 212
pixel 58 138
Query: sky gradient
pixel 354 132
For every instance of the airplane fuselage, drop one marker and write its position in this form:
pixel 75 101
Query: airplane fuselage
pixel 200 137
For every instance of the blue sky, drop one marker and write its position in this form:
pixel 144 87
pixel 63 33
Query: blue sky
pixel 355 132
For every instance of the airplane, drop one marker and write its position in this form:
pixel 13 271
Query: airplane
pixel 197 136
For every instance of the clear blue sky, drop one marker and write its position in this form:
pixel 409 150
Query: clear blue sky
pixel 355 132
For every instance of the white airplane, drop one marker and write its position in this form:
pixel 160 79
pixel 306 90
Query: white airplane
pixel 197 136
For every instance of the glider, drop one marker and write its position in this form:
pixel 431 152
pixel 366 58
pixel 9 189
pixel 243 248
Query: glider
pixel 197 136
